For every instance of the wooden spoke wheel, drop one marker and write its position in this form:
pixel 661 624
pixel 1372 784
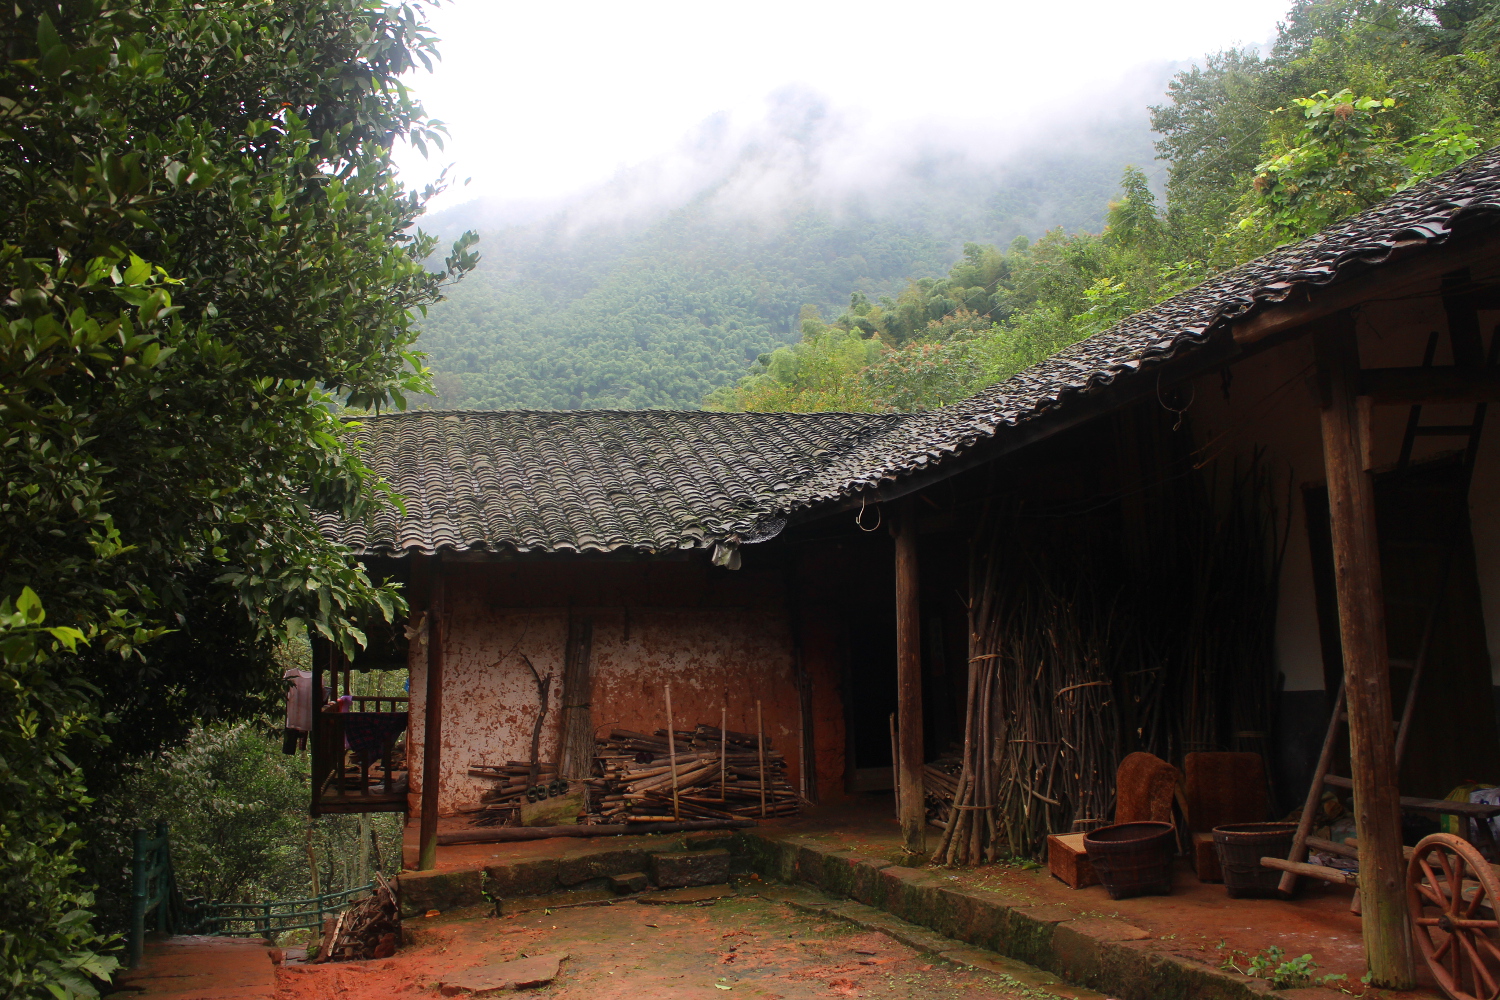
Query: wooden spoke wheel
pixel 1452 894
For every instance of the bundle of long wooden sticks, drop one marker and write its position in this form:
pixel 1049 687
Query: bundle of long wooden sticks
pixel 718 773
pixel 969 837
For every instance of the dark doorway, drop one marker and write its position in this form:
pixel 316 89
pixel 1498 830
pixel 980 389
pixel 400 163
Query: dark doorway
pixel 869 619
pixel 1422 516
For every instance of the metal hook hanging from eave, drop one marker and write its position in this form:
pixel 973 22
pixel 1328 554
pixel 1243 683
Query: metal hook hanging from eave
pixel 727 555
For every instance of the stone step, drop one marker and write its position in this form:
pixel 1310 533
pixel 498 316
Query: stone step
pixel 932 943
pixel 1047 946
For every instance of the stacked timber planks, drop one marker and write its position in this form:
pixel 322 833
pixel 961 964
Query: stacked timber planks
pixel 718 777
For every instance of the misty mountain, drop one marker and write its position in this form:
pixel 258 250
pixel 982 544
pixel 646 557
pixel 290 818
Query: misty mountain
pixel 667 282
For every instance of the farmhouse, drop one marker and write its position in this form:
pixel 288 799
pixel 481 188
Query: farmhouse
pixel 1205 529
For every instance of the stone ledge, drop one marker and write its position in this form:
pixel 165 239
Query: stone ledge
pixel 1098 953
pixel 928 942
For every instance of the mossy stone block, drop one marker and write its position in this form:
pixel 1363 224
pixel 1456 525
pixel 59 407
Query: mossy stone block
pixel 600 864
pixel 1029 929
pixel 437 890
pixel 521 878
pixel 687 868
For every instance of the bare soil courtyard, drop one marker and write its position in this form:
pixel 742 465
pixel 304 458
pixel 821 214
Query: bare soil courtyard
pixel 745 946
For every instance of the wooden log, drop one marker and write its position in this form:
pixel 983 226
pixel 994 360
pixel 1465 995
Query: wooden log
pixel 511 834
pixel 1361 605
pixel 909 683
pixel 432 731
pixel 1333 875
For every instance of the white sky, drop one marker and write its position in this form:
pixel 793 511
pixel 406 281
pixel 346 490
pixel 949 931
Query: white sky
pixel 543 99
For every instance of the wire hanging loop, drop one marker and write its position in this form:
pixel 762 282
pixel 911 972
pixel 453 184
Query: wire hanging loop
pixel 859 519
pixel 1182 413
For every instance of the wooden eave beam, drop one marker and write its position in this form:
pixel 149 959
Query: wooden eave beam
pixel 1396 277
pixel 1411 386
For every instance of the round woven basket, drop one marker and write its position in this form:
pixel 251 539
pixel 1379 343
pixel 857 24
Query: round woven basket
pixel 1241 846
pixel 1133 859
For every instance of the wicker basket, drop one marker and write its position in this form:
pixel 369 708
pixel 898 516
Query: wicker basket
pixel 1133 859
pixel 1241 846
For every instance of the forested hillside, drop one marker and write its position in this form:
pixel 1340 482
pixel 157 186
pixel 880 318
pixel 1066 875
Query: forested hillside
pixel 596 306
pixel 1355 102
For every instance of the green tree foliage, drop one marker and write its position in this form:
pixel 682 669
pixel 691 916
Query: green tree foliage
pixel 236 808
pixel 1356 102
pixel 204 253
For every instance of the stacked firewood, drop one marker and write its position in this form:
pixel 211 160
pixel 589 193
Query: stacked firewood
pixel 371 928
pixel 940 783
pixel 719 776
pixel 500 805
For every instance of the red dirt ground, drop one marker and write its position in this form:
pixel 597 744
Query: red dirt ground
pixel 746 947
pixel 1192 921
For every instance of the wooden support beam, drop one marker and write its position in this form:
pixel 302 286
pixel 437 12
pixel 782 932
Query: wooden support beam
pixel 909 682
pixel 432 728
pixel 1417 386
pixel 1463 320
pixel 1361 603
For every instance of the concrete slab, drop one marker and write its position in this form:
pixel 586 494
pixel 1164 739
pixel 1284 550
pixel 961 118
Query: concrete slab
pixel 203 968
pixel 499 977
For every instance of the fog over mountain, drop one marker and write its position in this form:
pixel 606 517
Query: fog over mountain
pixel 665 282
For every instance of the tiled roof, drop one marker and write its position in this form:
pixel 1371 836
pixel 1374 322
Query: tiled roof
pixel 591 480
pixel 655 481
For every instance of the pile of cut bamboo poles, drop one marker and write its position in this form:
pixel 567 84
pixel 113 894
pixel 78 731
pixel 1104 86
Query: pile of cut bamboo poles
pixel 720 774
pixel 500 805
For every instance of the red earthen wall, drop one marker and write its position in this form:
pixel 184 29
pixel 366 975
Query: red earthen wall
pixel 715 635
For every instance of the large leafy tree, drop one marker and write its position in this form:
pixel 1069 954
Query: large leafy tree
pixel 204 255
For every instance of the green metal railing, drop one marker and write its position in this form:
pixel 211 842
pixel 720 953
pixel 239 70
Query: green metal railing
pixel 269 919
pixel 156 901
pixel 153 890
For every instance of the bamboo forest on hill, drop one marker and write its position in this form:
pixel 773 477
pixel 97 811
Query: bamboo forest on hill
pixel 661 309
pixel 923 305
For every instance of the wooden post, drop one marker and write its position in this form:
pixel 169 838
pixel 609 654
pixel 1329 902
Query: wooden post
pixel 672 755
pixel 909 683
pixel 760 743
pixel 432 730
pixel 724 748
pixel 1361 602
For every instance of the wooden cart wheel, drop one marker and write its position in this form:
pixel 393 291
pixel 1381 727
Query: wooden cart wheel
pixel 1452 894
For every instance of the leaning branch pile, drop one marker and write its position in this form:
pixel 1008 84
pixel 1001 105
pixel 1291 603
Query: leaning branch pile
pixel 719 776
pixel 371 928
